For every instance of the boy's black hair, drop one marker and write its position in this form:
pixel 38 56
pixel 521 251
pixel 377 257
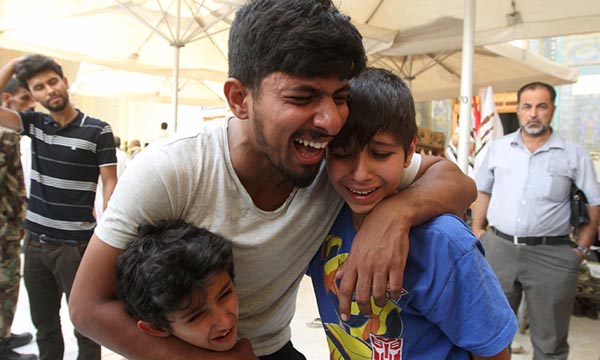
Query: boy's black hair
pixel 165 265
pixel 378 101
pixel 33 65
pixel 534 85
pixel 309 38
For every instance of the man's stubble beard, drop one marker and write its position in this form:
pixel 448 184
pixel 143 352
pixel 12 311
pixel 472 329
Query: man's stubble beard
pixel 301 180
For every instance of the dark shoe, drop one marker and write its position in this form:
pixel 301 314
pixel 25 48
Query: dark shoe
pixel 17 340
pixel 11 355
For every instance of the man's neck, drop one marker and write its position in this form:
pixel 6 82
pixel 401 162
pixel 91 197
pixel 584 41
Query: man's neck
pixel 534 142
pixel 265 185
pixel 64 116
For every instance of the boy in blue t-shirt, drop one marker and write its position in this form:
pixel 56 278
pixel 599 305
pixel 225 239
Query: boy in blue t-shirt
pixel 452 306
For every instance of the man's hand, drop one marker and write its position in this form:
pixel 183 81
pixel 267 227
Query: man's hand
pixel 377 258
pixel 479 213
pixel 478 232
pixel 8 69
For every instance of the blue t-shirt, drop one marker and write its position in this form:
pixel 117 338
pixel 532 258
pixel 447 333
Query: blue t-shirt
pixel 452 304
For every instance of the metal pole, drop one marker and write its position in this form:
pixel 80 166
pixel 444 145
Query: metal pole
pixel 175 93
pixel 466 85
pixel 177 45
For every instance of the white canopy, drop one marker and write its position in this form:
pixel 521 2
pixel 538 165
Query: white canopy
pixel 188 38
pixel 167 38
pixel 404 27
pixel 503 66
pixel 143 35
pixel 102 81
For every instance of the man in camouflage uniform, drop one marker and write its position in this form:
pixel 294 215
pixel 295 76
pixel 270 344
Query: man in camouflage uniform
pixel 12 213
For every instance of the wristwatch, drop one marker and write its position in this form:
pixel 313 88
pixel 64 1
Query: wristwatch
pixel 585 251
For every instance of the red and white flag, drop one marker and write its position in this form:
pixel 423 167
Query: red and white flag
pixel 488 128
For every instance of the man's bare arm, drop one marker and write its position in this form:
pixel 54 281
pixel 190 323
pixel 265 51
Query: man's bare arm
pixel 108 176
pixel 380 248
pixel 8 118
pixel 480 208
pixel 96 312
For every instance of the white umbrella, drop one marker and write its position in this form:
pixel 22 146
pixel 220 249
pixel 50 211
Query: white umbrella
pixel 504 66
pixel 97 80
pixel 124 34
pixel 176 38
pixel 404 27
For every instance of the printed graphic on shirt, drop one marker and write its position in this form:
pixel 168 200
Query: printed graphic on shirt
pixel 386 349
pixel 361 337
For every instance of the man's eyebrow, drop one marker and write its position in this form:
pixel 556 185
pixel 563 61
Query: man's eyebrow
pixel 309 88
pixel 344 88
pixel 305 88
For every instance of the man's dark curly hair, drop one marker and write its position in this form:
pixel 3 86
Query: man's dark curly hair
pixel 165 265
pixel 33 65
pixel 309 38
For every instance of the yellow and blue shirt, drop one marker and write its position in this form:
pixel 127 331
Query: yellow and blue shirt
pixel 452 304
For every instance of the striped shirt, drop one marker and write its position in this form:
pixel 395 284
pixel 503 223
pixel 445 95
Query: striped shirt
pixel 65 167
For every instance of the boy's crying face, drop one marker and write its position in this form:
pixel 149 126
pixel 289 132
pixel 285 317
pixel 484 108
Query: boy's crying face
pixel 365 177
pixel 211 319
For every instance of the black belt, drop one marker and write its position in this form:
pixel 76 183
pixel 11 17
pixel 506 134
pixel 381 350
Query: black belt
pixel 534 240
pixel 47 240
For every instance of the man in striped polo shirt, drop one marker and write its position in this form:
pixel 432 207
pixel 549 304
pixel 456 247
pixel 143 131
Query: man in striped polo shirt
pixel 70 150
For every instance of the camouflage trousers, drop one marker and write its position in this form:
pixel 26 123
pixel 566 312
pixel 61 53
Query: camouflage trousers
pixel 10 276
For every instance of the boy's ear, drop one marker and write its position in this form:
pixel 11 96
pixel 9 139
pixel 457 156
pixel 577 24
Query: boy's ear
pixel 237 95
pixel 149 329
pixel 411 151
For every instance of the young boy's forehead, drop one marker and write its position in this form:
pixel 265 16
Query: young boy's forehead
pixel 189 304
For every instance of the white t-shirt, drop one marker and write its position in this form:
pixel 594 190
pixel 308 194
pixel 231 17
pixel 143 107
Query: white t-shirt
pixel 192 178
pixel 25 146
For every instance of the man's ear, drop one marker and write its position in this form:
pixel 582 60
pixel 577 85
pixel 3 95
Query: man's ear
pixel 149 329
pixel 411 151
pixel 4 97
pixel 237 95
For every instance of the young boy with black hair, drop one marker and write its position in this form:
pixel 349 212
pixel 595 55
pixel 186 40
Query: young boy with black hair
pixel 452 305
pixel 177 279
